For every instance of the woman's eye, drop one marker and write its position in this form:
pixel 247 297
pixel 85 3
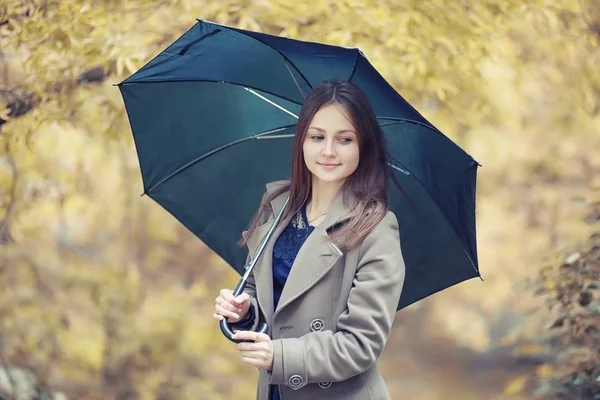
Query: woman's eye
pixel 342 140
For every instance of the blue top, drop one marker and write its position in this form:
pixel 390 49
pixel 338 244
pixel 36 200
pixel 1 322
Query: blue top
pixel 286 249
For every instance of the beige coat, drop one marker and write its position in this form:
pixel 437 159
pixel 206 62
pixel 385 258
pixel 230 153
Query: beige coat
pixel 335 313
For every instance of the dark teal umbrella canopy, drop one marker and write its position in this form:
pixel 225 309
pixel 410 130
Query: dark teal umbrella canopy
pixel 213 118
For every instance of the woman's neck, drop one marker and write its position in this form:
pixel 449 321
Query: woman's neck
pixel 323 195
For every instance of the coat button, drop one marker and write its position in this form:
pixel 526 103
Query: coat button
pixel 316 325
pixel 324 385
pixel 295 381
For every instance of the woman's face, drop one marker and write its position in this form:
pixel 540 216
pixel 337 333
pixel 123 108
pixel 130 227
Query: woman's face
pixel 331 145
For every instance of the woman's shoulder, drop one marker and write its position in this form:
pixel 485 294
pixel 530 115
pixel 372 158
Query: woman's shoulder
pixel 268 211
pixel 389 219
pixel 388 224
pixel 273 188
pixel 385 233
pixel 275 185
pixel 382 245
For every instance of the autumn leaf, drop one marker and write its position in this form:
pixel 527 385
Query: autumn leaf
pixel 515 386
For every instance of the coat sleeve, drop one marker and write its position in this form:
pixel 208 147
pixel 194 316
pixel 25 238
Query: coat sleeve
pixel 363 328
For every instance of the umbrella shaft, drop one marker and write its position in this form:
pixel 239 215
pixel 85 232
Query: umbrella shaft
pixel 250 266
pixel 240 286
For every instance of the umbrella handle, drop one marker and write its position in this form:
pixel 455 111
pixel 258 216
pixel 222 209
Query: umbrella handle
pixel 263 328
pixel 224 324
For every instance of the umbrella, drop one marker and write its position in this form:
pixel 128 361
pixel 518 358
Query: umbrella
pixel 213 119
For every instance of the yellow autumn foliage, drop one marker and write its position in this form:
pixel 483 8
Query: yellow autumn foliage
pixel 106 296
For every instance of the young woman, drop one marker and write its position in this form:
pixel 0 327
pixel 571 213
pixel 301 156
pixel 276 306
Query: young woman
pixel 329 279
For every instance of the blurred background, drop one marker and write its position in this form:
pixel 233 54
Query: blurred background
pixel 104 295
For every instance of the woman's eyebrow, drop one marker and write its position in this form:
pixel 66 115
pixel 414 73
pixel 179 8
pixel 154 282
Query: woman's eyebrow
pixel 340 131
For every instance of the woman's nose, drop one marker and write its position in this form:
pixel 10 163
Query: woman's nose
pixel 328 148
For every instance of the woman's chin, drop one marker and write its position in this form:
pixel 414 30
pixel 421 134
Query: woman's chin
pixel 328 179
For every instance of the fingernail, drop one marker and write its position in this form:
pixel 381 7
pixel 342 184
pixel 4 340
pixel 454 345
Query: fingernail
pixel 234 336
pixel 237 316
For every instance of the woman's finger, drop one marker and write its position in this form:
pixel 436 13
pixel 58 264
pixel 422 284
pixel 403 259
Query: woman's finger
pixel 253 346
pixel 224 304
pixel 226 313
pixel 247 346
pixel 217 317
pixel 251 361
pixel 257 355
pixel 249 335
pixel 262 337
pixel 258 363
pixel 242 298
pixel 227 295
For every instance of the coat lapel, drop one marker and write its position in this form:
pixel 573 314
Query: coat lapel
pixel 315 258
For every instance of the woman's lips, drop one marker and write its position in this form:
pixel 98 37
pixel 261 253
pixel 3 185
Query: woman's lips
pixel 328 166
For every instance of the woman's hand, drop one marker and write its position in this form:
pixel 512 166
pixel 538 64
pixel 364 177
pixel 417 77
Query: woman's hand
pixel 258 354
pixel 232 308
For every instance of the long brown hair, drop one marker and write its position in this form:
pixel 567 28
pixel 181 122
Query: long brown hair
pixel 367 185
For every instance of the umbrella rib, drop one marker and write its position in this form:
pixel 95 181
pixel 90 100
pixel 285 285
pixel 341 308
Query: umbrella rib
pixel 412 121
pixel 354 67
pixel 209 81
pixel 389 123
pixel 191 43
pixel 271 102
pixel 274 49
pixel 210 153
pixel 294 78
pixel 276 137
pixel 405 172
pixel 464 246
pixel 401 120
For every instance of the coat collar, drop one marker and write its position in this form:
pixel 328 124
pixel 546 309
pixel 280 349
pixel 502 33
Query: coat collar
pixel 315 258
pixel 338 211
